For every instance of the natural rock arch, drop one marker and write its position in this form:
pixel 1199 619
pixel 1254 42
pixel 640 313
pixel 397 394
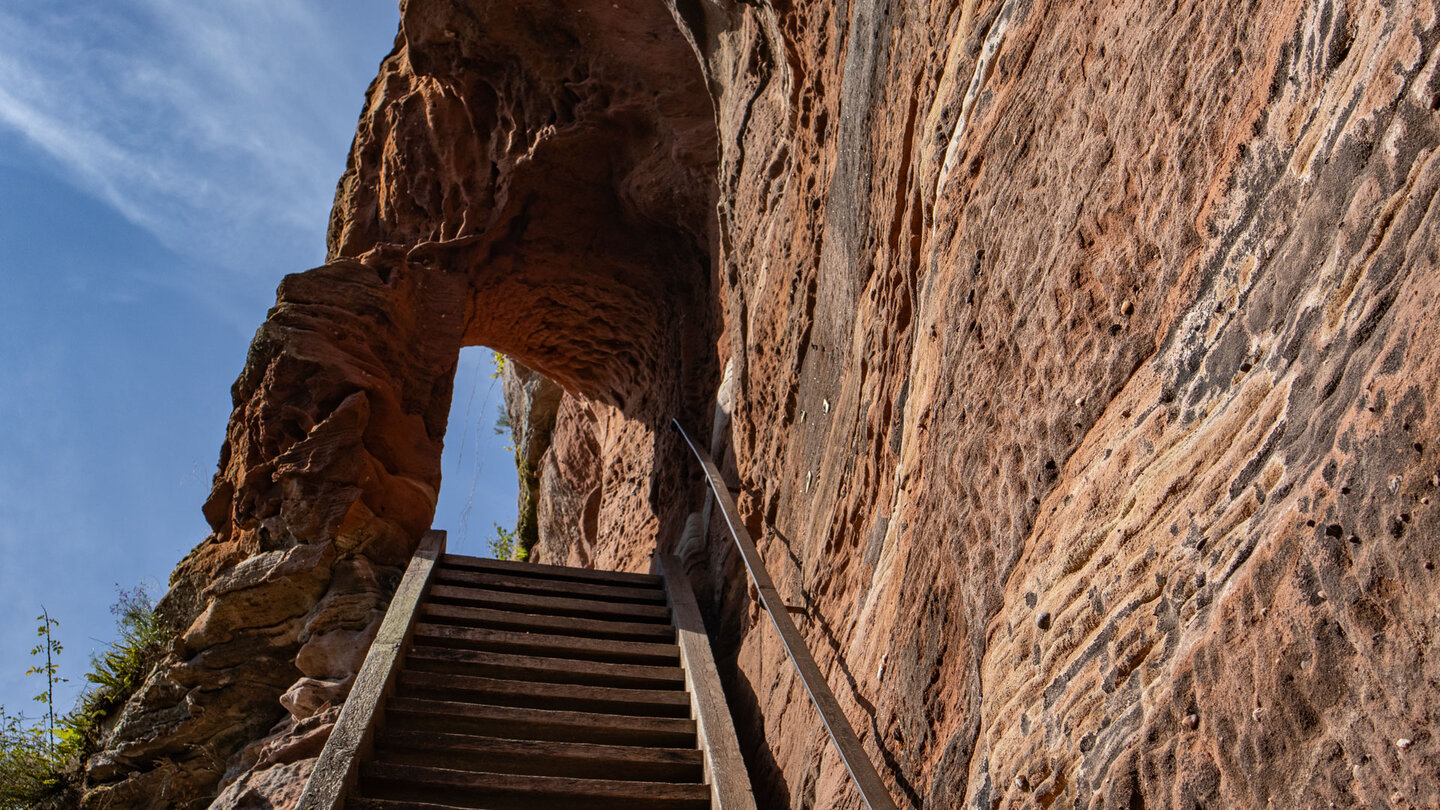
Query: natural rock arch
pixel 540 180
pixel 577 198
pixel 1083 384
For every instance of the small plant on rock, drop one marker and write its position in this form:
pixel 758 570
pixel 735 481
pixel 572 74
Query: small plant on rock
pixel 118 672
pixel 504 547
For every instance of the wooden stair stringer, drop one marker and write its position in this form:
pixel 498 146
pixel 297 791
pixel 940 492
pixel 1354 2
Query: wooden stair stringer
pixel 498 684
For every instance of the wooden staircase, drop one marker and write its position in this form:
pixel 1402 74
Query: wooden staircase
pixel 539 686
pixel 517 685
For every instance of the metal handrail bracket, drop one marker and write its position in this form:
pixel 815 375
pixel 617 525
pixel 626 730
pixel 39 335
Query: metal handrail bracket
pixel 852 753
pixel 354 731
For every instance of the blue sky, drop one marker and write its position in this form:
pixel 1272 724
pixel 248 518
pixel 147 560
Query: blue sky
pixel 163 163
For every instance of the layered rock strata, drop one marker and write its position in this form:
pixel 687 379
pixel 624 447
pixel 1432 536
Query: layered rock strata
pixel 1082 370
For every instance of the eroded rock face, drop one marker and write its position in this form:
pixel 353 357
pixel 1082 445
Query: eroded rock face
pixel 1085 397
pixel 532 402
pixel 330 468
pixel 532 177
pixel 1082 376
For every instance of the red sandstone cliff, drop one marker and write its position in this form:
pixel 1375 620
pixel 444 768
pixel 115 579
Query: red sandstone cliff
pixel 1082 375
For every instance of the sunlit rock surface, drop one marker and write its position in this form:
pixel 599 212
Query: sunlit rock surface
pixel 1082 365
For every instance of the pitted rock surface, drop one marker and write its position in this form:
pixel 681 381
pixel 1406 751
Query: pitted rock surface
pixel 1083 368
pixel 1086 397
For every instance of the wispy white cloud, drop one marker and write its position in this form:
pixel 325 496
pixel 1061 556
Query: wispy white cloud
pixel 219 127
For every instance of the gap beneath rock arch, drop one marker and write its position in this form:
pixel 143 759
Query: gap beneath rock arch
pixel 479 485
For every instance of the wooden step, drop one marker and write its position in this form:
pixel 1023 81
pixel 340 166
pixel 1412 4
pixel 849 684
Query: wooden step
pixel 549 670
pixel 540 757
pixel 536 694
pixel 535 687
pixel 498 803
pixel 559 572
pixel 469 596
pixel 451 717
pixel 361 803
pixel 469 788
pixel 546 645
pixel 549 587
pixel 451 802
pixel 541 623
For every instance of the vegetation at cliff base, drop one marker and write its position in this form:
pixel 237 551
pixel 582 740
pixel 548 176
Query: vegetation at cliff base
pixel 116 673
pixel 40 758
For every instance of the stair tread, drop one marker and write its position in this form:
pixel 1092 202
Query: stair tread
pixel 541 785
pixel 516 802
pixel 481 744
pixel 415 714
pixel 364 803
pixel 541 570
pixel 554 605
pixel 450 709
pixel 542 747
pixel 539 690
pixel 562 625
pixel 473 752
pixel 531 585
pixel 547 645
pixel 553 670
pixel 529 686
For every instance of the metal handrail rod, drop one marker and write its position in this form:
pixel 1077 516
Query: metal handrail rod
pixel 852 753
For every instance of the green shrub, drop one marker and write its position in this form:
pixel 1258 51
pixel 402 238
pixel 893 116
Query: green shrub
pixel 30 771
pixel 40 759
pixel 504 547
pixel 116 673
pixel 35 756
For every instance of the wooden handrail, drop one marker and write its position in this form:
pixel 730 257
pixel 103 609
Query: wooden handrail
pixel 354 730
pixel 730 787
pixel 852 753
